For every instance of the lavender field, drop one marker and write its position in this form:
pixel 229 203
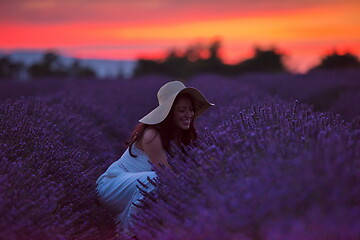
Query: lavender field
pixel 278 158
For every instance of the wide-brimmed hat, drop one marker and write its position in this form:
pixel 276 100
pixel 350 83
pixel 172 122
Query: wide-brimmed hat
pixel 166 97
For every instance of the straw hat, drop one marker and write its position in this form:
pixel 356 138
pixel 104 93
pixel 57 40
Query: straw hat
pixel 166 97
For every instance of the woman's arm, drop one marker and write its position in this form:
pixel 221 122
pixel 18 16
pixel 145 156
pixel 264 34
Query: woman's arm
pixel 152 146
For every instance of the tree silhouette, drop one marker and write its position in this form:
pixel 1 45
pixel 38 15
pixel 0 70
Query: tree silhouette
pixel 178 65
pixel 200 58
pixel 78 71
pixel 196 58
pixel 338 61
pixel 213 63
pixel 49 66
pixel 10 70
pixel 146 66
pixel 263 61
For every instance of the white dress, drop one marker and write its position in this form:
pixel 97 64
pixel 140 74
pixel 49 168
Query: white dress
pixel 117 188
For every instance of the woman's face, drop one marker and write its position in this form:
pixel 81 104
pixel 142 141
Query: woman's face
pixel 183 113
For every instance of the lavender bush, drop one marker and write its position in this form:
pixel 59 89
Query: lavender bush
pixel 263 168
pixel 53 148
pixel 324 90
pixel 45 176
pixel 276 171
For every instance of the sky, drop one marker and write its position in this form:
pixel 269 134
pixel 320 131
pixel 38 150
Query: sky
pixel 303 30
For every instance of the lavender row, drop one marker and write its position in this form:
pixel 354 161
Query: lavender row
pixel 54 146
pixel 273 171
pixel 337 91
pixel 331 90
pixel 47 191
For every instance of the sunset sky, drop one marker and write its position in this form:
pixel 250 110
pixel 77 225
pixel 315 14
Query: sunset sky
pixel 123 29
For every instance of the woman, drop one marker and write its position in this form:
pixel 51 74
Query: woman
pixel 148 147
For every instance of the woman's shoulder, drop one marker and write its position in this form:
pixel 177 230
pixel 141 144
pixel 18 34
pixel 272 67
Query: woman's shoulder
pixel 150 134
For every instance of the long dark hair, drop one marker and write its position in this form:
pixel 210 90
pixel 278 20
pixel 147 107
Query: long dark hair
pixel 167 130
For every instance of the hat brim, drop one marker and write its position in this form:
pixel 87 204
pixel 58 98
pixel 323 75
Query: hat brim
pixel 201 104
